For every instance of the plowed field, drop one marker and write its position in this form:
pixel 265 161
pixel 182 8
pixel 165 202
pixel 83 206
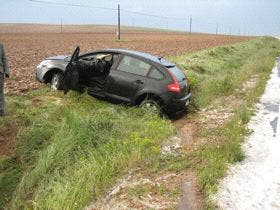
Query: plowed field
pixel 27 45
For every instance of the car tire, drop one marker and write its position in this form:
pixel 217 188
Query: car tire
pixel 152 105
pixel 57 82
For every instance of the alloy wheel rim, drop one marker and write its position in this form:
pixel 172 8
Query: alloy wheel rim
pixel 151 106
pixel 54 83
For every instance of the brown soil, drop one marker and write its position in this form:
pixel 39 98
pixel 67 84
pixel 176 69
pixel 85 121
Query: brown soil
pixel 27 45
pixel 7 139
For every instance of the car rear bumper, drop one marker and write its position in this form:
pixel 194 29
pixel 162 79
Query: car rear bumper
pixel 177 105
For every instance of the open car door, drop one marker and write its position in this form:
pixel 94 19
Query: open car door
pixel 89 71
pixel 71 74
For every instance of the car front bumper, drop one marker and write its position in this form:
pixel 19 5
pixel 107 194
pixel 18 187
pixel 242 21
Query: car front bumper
pixel 38 73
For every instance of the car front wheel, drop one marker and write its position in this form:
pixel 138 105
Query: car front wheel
pixel 57 82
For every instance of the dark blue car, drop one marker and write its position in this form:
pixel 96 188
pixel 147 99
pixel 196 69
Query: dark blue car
pixel 126 76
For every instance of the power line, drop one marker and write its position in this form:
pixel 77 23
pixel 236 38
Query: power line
pixel 149 15
pixel 107 8
pixel 133 12
pixel 73 5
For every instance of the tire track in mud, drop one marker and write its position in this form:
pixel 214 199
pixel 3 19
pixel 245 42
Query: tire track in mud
pixel 192 196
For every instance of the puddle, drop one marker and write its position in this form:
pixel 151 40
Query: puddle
pixel 273 124
pixel 271 107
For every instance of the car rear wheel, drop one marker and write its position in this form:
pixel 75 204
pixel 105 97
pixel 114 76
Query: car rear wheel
pixel 57 82
pixel 152 105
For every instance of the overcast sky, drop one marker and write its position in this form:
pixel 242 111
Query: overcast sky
pixel 253 17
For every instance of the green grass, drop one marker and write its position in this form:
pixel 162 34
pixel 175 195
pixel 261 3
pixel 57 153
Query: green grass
pixel 9 178
pixel 71 149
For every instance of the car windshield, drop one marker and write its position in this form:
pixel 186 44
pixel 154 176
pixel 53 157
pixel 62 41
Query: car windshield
pixel 67 59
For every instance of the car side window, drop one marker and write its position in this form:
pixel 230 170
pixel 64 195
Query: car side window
pixel 134 66
pixel 155 74
pixel 87 58
pixel 116 57
pixel 105 56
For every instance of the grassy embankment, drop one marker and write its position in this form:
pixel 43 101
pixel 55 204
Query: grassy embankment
pixel 70 149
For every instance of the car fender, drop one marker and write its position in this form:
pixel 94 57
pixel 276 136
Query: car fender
pixel 46 70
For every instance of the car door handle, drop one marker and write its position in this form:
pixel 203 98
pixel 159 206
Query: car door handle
pixel 139 82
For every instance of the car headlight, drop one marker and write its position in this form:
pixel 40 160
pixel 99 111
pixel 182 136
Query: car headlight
pixel 43 63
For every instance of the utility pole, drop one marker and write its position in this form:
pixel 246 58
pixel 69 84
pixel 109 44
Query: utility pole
pixel 191 25
pixel 119 22
pixel 217 28
pixel 61 25
pixel 230 31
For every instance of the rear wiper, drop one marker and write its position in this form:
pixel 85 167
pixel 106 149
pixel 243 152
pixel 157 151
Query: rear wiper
pixel 170 66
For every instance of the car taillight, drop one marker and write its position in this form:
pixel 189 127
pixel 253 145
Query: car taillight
pixel 174 87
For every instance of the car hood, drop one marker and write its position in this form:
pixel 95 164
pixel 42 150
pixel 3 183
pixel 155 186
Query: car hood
pixel 58 57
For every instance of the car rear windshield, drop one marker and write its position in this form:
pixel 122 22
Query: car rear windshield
pixel 177 73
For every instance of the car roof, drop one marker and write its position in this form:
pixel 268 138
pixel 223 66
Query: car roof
pixel 156 59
